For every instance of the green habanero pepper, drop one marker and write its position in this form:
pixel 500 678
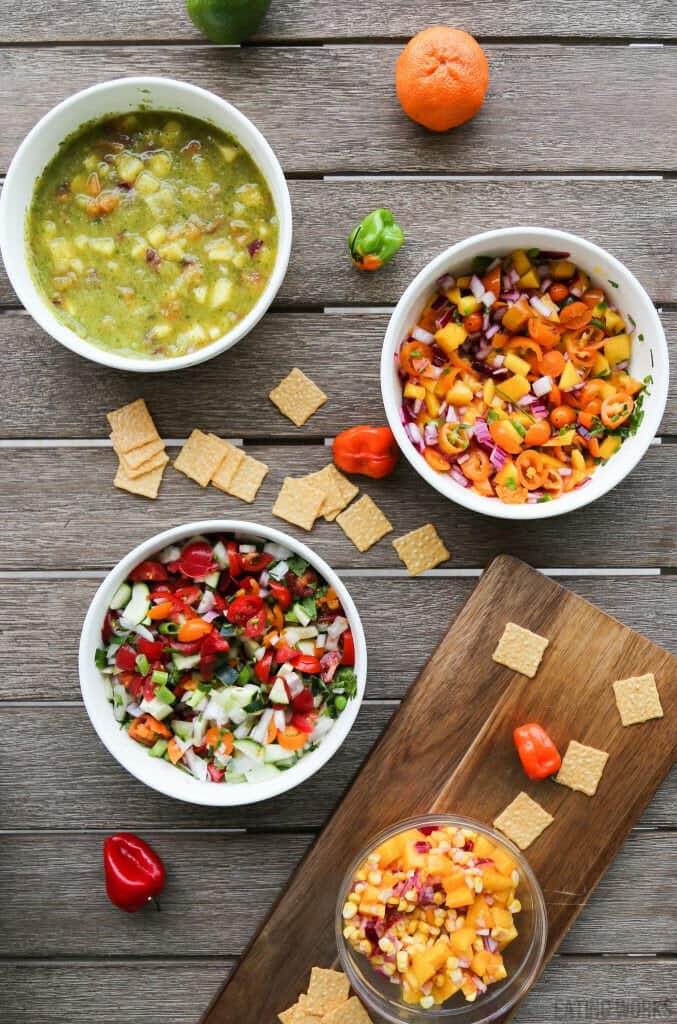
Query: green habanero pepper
pixel 375 240
pixel 227 21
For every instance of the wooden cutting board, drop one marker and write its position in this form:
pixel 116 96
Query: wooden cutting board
pixel 449 748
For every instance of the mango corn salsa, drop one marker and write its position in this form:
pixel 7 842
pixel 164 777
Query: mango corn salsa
pixel 433 909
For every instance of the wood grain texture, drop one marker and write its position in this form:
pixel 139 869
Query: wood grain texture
pixel 65 497
pixel 45 663
pixel 76 784
pixel 301 92
pixel 627 217
pixel 252 870
pixel 481 780
pixel 37 20
pixel 34 364
pixel 597 991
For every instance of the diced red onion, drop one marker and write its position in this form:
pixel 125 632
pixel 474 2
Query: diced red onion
pixel 422 847
pixel 498 457
pixel 539 411
pixel 452 416
pixel 491 945
pixel 483 350
pixel 498 361
pixel 512 277
pixel 214 614
pixel 511 296
pixel 542 386
pixel 418 334
pixel 206 602
pixel 443 319
pixel 458 477
pixel 462 458
pixel 476 287
pixel 545 284
pixel 498 314
pixel 491 331
pixel 488 299
pixel 623 365
pixel 485 320
pixel 534 496
pixel 442 409
pixel 540 306
pixel 525 401
pixel 279 719
pixel 575 290
pixel 430 433
pixel 444 282
pixel 583 432
pixel 413 433
pixel 417 406
pixel 440 301
pixel 482 431
pixel 565 471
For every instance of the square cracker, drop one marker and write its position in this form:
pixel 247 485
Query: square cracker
pixel 297 397
pixel 247 479
pixel 520 649
pixel 132 425
pixel 582 768
pixel 297 1014
pixel 200 457
pixel 364 523
pixel 298 503
pixel 421 549
pixel 637 699
pixel 231 462
pixel 350 1012
pixel 327 990
pixel 147 485
pixel 523 820
pixel 137 456
pixel 338 490
pixel 157 461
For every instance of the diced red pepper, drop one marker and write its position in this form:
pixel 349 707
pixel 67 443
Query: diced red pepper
pixel 303 722
pixel 262 667
pixel 537 752
pixel 126 658
pixel 215 774
pixel 303 702
pixel 233 558
pixel 151 648
pixel 214 643
pixel 284 653
pixel 348 648
pixel 255 561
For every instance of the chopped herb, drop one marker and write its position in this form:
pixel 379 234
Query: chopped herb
pixel 598 323
pixel 519 428
pixel 101 658
pixel 227 629
pixel 480 263
pixel 533 254
pixel 632 320
pixel 546 497
pixel 297 565
pixel 601 306
pixel 641 337
pixel 511 483
pixel 416 354
pixel 245 674
pixel 492 416
pixel 614 284
pixel 258 704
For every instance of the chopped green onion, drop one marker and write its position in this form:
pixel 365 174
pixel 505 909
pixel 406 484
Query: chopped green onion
pixel 519 428
pixel 142 664
pixel 169 628
pixel 245 674
pixel 159 677
pixel 598 323
pixel 101 658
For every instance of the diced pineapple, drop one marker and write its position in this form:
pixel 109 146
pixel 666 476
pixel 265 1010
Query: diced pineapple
pixel 516 365
pixel 229 153
pixel 617 349
pixel 200 293
pixel 562 270
pixel 129 167
pixel 62 252
pixel 171 251
pixel 450 337
pixel 569 377
pixel 521 261
pixel 139 251
pixel 160 331
pixel 192 194
pixel 529 280
pixel 156 235
pixel 160 164
pixel 600 367
pixel 609 446
pixel 170 134
pixel 240 259
pixel 220 250
pixel 468 304
pixel 250 195
pixel 146 184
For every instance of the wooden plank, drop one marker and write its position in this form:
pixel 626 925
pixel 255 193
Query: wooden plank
pixel 45 663
pixel 36 20
pixel 252 870
pixel 625 216
pixel 65 497
pixel 596 990
pixel 481 779
pixel 294 337
pixel 324 86
pixel 76 783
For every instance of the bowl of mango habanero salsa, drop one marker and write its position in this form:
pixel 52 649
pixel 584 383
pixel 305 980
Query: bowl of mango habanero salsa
pixel 145 224
pixel 222 662
pixel 524 372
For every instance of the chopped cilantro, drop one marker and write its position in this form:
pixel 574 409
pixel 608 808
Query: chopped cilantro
pixel 533 254
pixel 598 323
pixel 492 416
pixel 614 284
pixel 511 483
pixel 519 428
pixel 297 565
pixel 480 263
pixel 546 497
pixel 632 320
pixel 641 337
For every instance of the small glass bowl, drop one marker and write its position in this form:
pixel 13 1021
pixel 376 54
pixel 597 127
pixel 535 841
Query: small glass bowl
pixel 523 957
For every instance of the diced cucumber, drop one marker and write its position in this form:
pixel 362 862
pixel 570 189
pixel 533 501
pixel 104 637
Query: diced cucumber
pixel 158 749
pixel 121 597
pixel 195 698
pixel 107 688
pixel 237 715
pixel 261 773
pixel 184 662
pixel 243 695
pixel 278 694
pixel 235 778
pixel 213 580
pixel 184 730
pixel 307 646
pixel 301 614
pixel 248 748
pixel 295 633
pixel 156 708
pixel 137 607
pixel 278 571
pixel 274 753
pixel 221 555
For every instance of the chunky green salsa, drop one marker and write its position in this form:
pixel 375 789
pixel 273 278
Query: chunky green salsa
pixel 152 234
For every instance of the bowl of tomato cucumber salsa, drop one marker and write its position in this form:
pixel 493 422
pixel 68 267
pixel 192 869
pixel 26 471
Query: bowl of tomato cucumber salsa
pixel 440 918
pixel 145 224
pixel 222 663
pixel 524 372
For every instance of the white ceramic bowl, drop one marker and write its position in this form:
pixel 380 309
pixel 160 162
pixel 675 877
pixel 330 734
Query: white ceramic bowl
pixel 648 357
pixel 160 774
pixel 120 96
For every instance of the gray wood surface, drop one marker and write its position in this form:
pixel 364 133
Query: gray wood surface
pixel 65 496
pixel 577 132
pixel 80 786
pixel 38 20
pixel 45 664
pixel 34 364
pixel 595 990
pixel 629 217
pixel 358 128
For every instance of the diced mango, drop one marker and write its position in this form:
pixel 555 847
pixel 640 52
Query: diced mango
pixel 609 446
pixel 438 864
pixel 562 270
pixel 468 304
pixel 508 475
pixel 454 295
pixel 460 897
pixel 464 281
pixel 414 391
pixel 453 879
pixel 503 861
pixel 529 280
pixel 614 322
pixel 450 337
pixel 520 261
pixel 552 306
pixel 502 918
pixel 480 915
pixel 494 881
pixel 459 394
pixel 617 349
pixel 391 850
pixel 514 388
pixel 569 377
pixel 515 317
pixel 461 941
pixel 560 439
pixel 445 991
pixel 516 365
pixel 600 367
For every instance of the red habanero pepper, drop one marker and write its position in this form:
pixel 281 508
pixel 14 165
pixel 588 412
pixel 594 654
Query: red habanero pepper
pixel 134 872
pixel 370 451
pixel 538 754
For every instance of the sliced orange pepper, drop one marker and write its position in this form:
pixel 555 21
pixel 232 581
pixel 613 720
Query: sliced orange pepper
pixel 272 731
pixel 174 750
pixel 575 315
pixel 545 334
pixel 292 739
pixel 213 736
pixel 161 610
pixel 193 629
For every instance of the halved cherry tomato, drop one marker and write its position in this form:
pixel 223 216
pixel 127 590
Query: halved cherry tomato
pixel 544 334
pixel 149 571
pixel 593 296
pixel 189 595
pixel 151 648
pixel 214 643
pixel 436 461
pixel 303 702
pixel 197 560
pixel 616 409
pixel 532 470
pixel 241 609
pixel 452 439
pixel 126 658
pixel 505 436
pixel 591 390
pixel 512 496
pixel 292 738
pixel 234 566
pixel 256 625
pixel 281 594
pixel 473 323
pixel 255 561
pixel 303 722
pixel 414 352
pixel 562 416
pixel 348 648
pixel 552 363
pixel 575 315
pixel 133 683
pixel 308 664
pixel 477 466
pixel 193 629
pixel 558 292
pixel 161 610
pixel 538 433
pixel 262 667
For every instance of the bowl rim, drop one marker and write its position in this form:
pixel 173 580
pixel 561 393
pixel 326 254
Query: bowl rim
pixel 534 953
pixel 607 476
pixel 39 310
pixel 178 784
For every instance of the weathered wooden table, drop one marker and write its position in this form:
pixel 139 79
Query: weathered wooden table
pixel 578 132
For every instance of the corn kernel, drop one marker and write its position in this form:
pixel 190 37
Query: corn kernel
pixel 452 963
pixel 386 945
pixel 402 960
pixel 438 897
pixel 349 910
pixel 426 1002
pixel 515 907
pixel 375 877
pixel 388 970
pixel 411 896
